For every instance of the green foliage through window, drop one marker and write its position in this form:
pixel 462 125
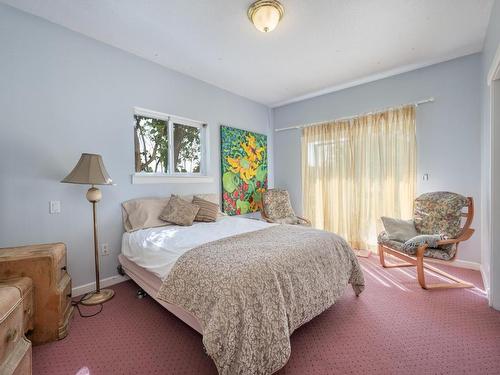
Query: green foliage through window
pixel 187 148
pixel 151 145
pixel 152 154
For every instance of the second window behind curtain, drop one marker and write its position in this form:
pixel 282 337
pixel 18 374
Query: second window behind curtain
pixel 357 170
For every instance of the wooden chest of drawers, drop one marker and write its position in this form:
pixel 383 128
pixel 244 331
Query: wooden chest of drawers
pixel 16 318
pixel 46 266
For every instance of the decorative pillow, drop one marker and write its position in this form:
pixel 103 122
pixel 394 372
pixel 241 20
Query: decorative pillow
pixel 180 212
pixel 143 213
pixel 414 243
pixel 211 197
pixel 399 230
pixel 277 204
pixel 208 210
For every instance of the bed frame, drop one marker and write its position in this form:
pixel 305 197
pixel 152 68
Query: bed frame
pixel 151 284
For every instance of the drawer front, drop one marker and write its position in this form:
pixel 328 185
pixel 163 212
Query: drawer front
pixel 25 365
pixel 18 362
pixel 64 325
pixel 61 268
pixel 11 331
pixel 28 311
pixel 65 295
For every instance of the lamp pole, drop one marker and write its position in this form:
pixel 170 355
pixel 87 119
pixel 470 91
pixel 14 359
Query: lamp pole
pixel 94 195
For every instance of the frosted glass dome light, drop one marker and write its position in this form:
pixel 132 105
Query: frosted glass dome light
pixel 265 14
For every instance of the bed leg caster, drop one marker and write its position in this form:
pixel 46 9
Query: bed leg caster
pixel 141 293
pixel 120 270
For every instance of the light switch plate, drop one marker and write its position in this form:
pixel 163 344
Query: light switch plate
pixel 55 207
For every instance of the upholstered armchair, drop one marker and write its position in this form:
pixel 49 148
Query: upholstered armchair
pixel 278 209
pixel 442 220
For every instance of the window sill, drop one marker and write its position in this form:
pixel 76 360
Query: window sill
pixel 140 178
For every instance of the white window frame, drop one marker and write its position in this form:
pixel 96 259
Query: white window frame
pixel 171 176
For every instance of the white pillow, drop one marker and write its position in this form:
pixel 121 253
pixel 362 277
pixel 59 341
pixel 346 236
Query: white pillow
pixel 143 213
pixel 399 230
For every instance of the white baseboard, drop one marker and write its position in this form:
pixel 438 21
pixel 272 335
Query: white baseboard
pixel 486 283
pixel 459 263
pixel 82 289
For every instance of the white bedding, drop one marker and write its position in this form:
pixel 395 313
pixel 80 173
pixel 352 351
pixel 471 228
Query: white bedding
pixel 157 249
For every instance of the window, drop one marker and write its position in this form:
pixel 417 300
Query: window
pixel 168 145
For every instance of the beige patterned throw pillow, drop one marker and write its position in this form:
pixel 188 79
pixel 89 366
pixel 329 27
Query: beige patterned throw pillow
pixel 179 211
pixel 208 210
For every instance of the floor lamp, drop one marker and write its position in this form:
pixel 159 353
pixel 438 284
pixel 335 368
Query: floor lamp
pixel 90 170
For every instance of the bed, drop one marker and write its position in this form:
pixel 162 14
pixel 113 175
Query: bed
pixel 244 284
pixel 148 255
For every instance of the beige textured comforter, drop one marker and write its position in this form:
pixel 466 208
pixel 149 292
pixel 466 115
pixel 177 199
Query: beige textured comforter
pixel 251 291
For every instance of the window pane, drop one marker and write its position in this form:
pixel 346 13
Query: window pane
pixel 187 149
pixel 151 145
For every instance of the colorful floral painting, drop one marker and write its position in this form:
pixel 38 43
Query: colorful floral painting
pixel 244 170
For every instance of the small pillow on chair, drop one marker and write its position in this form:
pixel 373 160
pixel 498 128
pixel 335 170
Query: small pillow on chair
pixel 180 212
pixel 399 230
pixel 430 239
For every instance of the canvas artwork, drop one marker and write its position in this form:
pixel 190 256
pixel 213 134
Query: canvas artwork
pixel 244 170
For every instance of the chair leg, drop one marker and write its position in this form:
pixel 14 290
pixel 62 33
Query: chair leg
pixel 381 254
pixel 421 266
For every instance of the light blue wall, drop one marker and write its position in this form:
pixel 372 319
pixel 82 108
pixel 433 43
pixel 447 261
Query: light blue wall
pixel 63 94
pixel 492 42
pixel 448 130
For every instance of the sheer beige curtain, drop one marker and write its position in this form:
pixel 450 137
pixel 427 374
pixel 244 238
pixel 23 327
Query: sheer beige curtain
pixel 355 171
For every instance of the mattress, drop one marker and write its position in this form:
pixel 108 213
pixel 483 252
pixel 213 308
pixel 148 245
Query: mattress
pixel 157 249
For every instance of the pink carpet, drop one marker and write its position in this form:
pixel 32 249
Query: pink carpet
pixel 394 327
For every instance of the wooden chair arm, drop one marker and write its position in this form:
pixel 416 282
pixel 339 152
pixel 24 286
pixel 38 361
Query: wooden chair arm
pixel 463 237
pixel 448 242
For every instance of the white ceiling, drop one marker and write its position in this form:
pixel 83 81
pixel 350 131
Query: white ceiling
pixel 319 46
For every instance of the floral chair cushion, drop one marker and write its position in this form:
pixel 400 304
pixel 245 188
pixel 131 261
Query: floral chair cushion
pixel 276 204
pixel 443 253
pixel 278 209
pixel 439 213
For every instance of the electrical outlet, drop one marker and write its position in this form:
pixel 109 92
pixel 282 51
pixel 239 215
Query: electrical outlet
pixel 105 249
pixel 55 207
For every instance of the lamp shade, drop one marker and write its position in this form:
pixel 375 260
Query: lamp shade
pixel 89 170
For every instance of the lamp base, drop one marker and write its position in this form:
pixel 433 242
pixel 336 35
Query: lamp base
pixel 97 298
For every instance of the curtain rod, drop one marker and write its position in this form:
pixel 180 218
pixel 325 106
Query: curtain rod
pixel 416 104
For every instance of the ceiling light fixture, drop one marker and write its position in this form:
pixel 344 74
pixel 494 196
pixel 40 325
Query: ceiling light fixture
pixel 266 14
